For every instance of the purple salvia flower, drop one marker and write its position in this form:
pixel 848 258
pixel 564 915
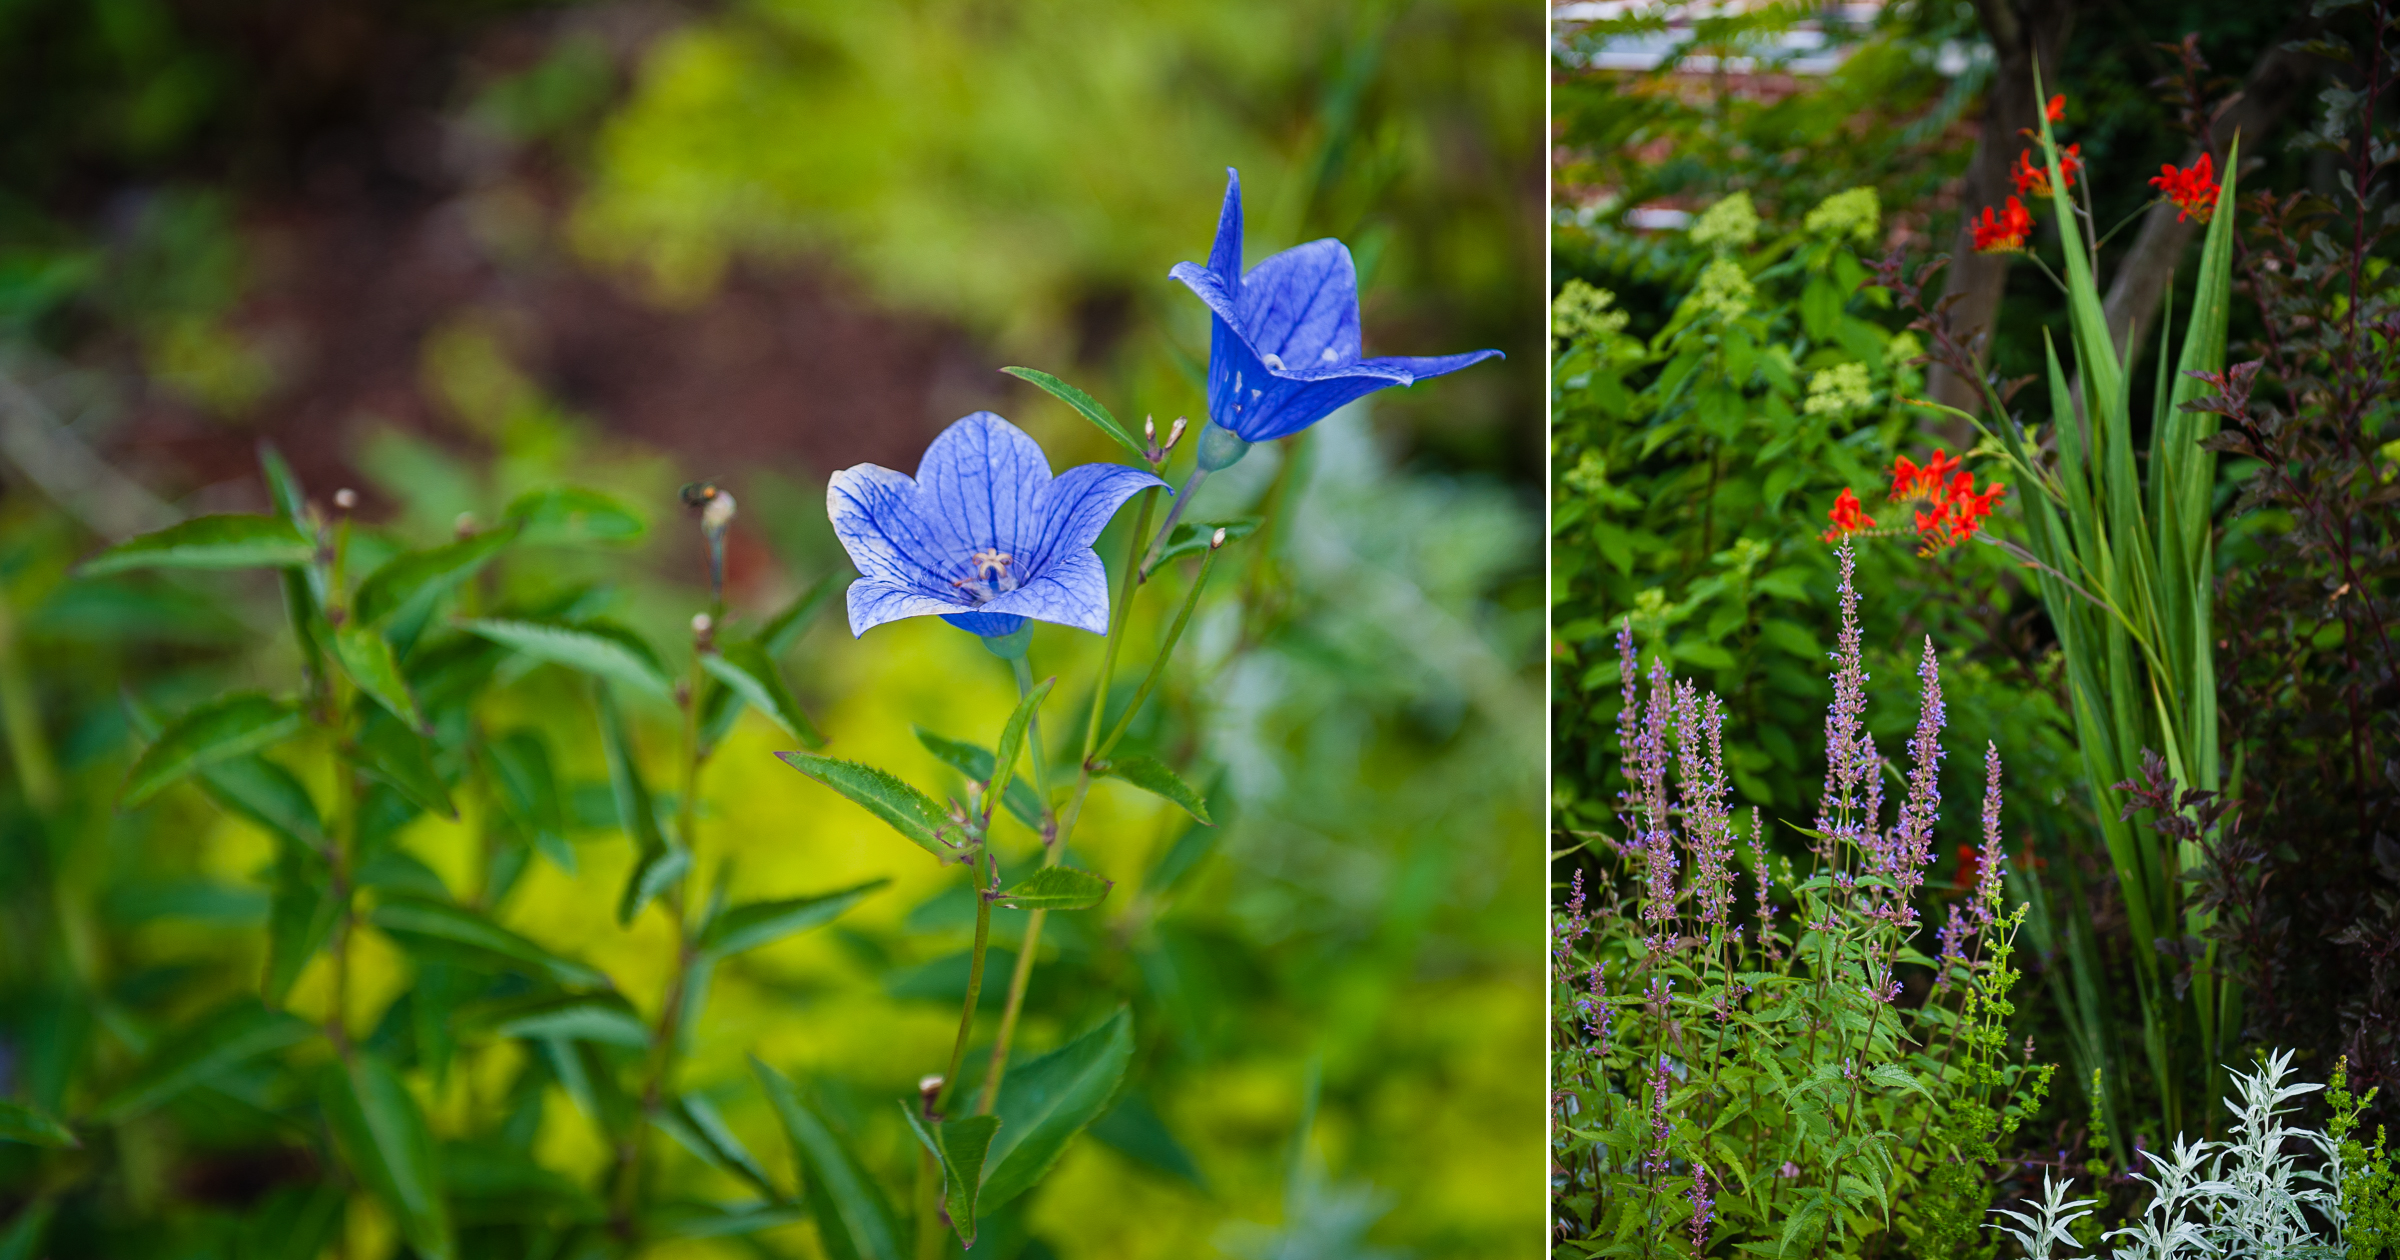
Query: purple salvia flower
pixel 1603 1022
pixel 1990 861
pixel 1845 721
pixel 1703 1208
pixel 1629 715
pixel 1953 938
pixel 1912 850
pixel 1656 1162
pixel 1766 902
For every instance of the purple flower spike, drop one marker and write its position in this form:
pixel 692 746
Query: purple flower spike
pixel 1284 347
pixel 984 537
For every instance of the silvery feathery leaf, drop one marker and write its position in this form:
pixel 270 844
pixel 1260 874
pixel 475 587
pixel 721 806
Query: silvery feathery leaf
pixel 2048 1223
pixel 983 537
pixel 1284 348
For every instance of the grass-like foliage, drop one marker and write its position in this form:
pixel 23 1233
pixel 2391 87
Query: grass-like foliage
pixel 1797 1077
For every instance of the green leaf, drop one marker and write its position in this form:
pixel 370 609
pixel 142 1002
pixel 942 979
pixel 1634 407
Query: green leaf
pixel 291 502
pixel 750 673
pixel 493 1183
pixel 215 732
pixel 975 762
pixel 301 911
pixel 785 628
pixel 397 756
pixel 20 1123
pixel 1192 537
pixel 657 864
pixel 670 1221
pixel 520 764
pixel 695 1125
pixel 1058 888
pixel 565 514
pixel 909 811
pixel 854 1221
pixel 268 794
pixel 959 1147
pixel 1012 737
pixel 209 542
pixel 447 933
pixel 367 657
pixel 1085 405
pixel 654 872
pixel 604 1017
pixel 1133 1128
pixel 227 1037
pixel 756 923
pixel 413 580
pixel 598 648
pixel 1045 1103
pixel 23 1238
pixel 1151 775
pixel 384 1135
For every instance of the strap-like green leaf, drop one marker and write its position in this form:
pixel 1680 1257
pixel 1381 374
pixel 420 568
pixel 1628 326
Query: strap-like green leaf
pixel 233 1034
pixel 565 514
pixel 746 668
pixel 215 732
pixel 1085 405
pixel 409 581
pixel 909 811
pixel 854 1220
pixel 598 648
pixel 389 1146
pixel 1045 1103
pixel 209 542
pixel 756 923
pixel 448 933
pixel 1152 775
pixel 975 762
pixel 20 1123
pixel 1058 888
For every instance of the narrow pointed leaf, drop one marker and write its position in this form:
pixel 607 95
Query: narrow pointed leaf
pixel 447 933
pixel 785 628
pixel 209 542
pixel 412 580
pixel 20 1123
pixel 388 1145
pixel 1012 736
pixel 975 762
pixel 1058 888
pixel 854 1221
pixel 368 659
pixel 597 648
pixel 909 811
pixel 668 1222
pixel 397 756
pixel 1044 1103
pixel 1152 775
pixel 695 1125
pixel 654 872
pixel 750 673
pixel 22 1240
pixel 756 923
pixel 283 486
pixel 1085 405
pixel 226 1038
pixel 657 863
pixel 216 732
pixel 301 911
pixel 604 1017
pixel 520 764
pixel 959 1146
pixel 1193 537
pixel 569 515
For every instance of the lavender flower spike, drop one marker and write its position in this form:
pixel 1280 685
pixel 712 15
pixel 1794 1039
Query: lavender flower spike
pixel 984 537
pixel 1284 347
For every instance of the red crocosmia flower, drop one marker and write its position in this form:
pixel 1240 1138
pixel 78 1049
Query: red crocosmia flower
pixel 2193 191
pixel 2056 111
pixel 2005 234
pixel 1911 483
pixel 2033 178
pixel 1848 518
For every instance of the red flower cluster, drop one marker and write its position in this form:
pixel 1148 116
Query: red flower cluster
pixel 1957 510
pixel 2005 234
pixel 2033 178
pixel 2193 191
pixel 1847 517
pixel 2056 110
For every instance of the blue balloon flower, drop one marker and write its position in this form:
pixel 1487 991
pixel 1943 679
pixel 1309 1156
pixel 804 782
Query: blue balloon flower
pixel 983 537
pixel 1284 351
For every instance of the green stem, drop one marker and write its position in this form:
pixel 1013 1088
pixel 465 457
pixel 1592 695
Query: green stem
pixel 1165 650
pixel 966 1013
pixel 1021 976
pixel 1183 499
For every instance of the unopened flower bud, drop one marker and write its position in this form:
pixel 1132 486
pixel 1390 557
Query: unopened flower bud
pixel 345 498
pixel 1175 433
pixel 464 526
pixel 1149 428
pixel 1216 540
pixel 702 624
pixel 929 1083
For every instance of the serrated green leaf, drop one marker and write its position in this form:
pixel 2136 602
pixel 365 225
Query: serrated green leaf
pixel 411 581
pixel 1192 537
pixel 367 657
pixel 1152 775
pixel 598 648
pixel 746 668
pixel 1043 1104
pixel 975 762
pixel 1085 405
pixel 209 542
pixel 383 1133
pixel 1058 888
pixel 215 732
pixel 959 1147
pixel 394 755
pixel 455 934
pixel 854 1220
pixel 752 924
pixel 909 811
pixel 227 1037
pixel 20 1123
pixel 565 514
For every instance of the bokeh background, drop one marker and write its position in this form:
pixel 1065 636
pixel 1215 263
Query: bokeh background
pixel 442 251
